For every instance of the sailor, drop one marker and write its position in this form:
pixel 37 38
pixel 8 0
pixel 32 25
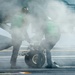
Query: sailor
pixel 52 35
pixel 47 34
pixel 18 31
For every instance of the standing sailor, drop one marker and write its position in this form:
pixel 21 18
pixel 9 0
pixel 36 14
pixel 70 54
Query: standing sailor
pixel 18 30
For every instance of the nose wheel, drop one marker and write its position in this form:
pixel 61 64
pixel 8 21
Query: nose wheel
pixel 35 59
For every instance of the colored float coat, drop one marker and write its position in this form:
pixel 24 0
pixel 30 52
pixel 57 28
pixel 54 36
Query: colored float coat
pixel 52 29
pixel 17 21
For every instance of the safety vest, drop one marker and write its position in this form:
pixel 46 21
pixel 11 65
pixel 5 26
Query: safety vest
pixel 17 21
pixel 52 28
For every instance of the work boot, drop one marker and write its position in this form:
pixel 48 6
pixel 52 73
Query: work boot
pixel 48 66
pixel 54 65
pixel 15 67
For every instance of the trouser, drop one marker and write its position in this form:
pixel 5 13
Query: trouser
pixel 49 58
pixel 48 44
pixel 16 42
pixel 17 38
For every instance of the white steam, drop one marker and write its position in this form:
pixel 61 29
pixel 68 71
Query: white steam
pixel 39 10
pixel 62 15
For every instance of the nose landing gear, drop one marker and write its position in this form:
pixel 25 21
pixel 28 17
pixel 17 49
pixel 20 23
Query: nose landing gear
pixel 35 59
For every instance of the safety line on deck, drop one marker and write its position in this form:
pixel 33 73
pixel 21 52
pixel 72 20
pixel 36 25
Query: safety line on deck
pixel 52 56
pixel 28 50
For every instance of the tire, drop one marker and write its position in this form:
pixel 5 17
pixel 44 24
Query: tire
pixel 35 59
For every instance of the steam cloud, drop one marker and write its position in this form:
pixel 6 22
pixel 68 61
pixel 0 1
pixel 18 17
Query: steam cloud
pixel 55 10
pixel 62 15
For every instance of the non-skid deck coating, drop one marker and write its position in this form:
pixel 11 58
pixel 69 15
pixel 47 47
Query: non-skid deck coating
pixel 64 57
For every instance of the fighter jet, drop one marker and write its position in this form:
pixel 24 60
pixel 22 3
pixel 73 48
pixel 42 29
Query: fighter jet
pixel 5 42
